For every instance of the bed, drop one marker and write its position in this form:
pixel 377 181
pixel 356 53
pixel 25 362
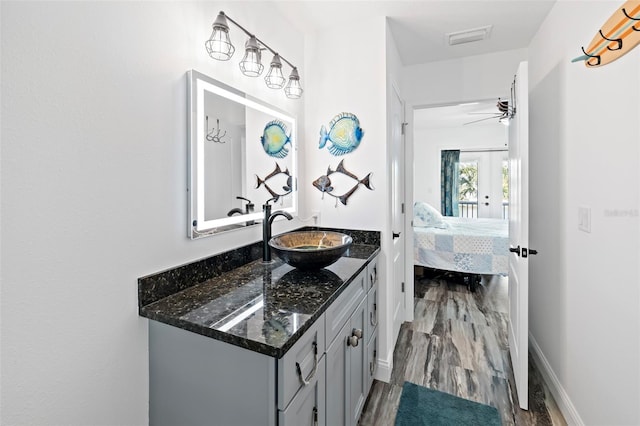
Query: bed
pixel 463 245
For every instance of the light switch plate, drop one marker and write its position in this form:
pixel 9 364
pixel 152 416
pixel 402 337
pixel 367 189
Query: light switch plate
pixel 584 218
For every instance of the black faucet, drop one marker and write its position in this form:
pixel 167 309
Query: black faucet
pixel 266 227
pixel 248 210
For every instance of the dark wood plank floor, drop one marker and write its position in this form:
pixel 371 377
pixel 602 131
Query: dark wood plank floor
pixel 458 344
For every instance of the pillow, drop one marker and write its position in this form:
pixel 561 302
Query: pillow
pixel 426 216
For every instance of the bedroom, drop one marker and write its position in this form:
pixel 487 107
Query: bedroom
pixel 462 150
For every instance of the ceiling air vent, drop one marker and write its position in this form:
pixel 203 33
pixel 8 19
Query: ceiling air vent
pixel 468 36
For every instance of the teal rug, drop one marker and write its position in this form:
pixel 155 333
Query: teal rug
pixel 422 406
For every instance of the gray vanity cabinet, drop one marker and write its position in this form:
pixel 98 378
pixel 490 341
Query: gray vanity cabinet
pixel 322 380
pixel 346 382
pixel 347 374
pixel 357 358
pixel 371 324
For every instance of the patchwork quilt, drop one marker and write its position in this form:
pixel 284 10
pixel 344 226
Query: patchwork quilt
pixel 478 246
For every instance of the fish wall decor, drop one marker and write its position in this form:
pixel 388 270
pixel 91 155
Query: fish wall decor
pixel 344 134
pixel 324 185
pixel 274 139
pixel 287 188
pixel 617 37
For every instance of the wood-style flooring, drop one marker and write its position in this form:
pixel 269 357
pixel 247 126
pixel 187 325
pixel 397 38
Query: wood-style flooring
pixel 458 344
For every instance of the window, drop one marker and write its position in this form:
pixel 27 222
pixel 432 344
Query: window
pixel 468 189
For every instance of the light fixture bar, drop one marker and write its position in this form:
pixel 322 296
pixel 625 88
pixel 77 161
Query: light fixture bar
pixel 259 41
pixel 219 47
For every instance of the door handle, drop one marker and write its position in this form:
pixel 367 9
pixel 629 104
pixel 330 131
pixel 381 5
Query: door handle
pixel 515 250
pixel 533 252
pixel 396 235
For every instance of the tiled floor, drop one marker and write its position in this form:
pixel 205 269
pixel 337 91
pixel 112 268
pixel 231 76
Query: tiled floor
pixel 458 344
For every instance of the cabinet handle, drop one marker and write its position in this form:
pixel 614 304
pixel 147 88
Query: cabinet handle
pixel 352 341
pixel 306 381
pixel 373 277
pixel 373 316
pixel 373 364
pixel 314 416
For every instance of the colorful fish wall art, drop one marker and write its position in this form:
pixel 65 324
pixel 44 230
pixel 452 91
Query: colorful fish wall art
pixel 324 185
pixel 275 139
pixel 278 193
pixel 617 37
pixel 344 134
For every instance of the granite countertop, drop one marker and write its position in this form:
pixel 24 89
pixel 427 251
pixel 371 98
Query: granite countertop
pixel 261 307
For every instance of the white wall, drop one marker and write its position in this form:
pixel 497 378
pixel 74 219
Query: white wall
pixel 341 79
pixel 93 191
pixel 338 81
pixel 584 151
pixel 461 80
pixel 428 144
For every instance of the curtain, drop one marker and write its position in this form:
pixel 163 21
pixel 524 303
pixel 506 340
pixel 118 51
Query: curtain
pixel 449 172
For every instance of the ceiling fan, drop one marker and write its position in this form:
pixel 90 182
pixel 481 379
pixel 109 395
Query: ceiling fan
pixel 501 115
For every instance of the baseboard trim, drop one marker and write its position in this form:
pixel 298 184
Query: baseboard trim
pixel 384 368
pixel 565 405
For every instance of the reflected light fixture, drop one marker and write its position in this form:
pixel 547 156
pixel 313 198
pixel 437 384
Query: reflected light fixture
pixel 219 47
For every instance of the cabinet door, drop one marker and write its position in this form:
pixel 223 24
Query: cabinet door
pixel 372 362
pixel 340 311
pixel 372 313
pixel 336 359
pixel 308 406
pixel 357 368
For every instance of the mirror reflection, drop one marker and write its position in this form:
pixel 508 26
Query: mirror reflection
pixel 242 153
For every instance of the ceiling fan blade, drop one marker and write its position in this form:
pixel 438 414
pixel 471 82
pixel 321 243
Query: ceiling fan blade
pixel 482 119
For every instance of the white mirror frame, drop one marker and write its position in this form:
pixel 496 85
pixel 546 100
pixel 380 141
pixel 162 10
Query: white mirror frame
pixel 197 85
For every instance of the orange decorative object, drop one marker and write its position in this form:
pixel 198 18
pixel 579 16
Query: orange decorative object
pixel 618 36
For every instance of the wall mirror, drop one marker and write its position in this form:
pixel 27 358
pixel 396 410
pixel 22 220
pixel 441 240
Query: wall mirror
pixel 242 152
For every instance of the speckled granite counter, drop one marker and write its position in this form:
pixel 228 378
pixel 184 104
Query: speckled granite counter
pixel 261 307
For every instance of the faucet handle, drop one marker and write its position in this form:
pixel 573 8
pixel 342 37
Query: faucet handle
pixel 274 199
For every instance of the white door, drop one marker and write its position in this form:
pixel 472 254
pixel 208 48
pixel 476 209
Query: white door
pixel 490 184
pixel 488 166
pixel 397 211
pixel 519 235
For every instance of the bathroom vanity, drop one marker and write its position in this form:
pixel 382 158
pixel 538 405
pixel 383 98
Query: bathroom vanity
pixel 235 341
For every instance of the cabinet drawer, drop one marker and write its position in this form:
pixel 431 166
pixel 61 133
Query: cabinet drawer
pixel 372 270
pixel 341 309
pixel 371 323
pixel 308 406
pixel 300 362
pixel 372 359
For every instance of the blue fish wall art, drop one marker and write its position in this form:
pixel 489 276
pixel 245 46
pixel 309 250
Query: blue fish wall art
pixel 287 188
pixel 274 139
pixel 324 185
pixel 344 134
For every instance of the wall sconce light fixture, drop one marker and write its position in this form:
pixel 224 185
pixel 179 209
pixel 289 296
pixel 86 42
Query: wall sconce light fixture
pixel 220 48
